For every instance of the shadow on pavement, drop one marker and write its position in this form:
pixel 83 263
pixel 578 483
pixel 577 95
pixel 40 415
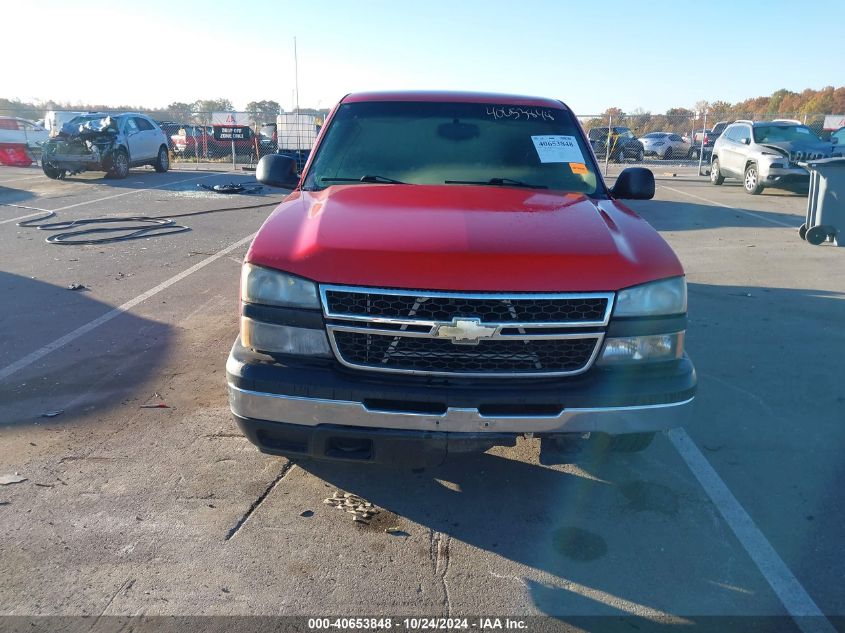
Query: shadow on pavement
pixel 10 195
pixel 627 534
pixel 98 369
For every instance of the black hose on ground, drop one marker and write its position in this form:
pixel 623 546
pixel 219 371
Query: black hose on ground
pixel 141 226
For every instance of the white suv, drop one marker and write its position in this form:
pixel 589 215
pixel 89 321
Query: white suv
pixel 766 153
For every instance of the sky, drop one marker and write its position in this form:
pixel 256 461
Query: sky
pixel 651 55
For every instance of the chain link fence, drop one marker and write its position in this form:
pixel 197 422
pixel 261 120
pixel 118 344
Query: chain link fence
pixel 650 139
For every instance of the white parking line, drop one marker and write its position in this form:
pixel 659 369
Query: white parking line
pixel 27 360
pixel 794 597
pixel 21 217
pixel 727 206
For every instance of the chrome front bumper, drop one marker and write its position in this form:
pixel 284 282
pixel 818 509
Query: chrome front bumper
pixel 316 411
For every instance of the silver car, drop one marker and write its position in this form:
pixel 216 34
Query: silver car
pixel 766 153
pixel 665 145
pixel 109 143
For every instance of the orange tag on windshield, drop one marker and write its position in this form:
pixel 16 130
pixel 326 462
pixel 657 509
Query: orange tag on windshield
pixel 578 168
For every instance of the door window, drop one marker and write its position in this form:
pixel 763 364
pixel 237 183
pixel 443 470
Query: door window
pixel 131 126
pixel 143 124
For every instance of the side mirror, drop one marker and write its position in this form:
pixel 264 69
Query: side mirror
pixel 634 183
pixel 834 140
pixel 745 141
pixel 277 170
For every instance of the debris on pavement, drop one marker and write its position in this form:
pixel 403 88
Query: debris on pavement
pixel 307 513
pixel 362 511
pixel 232 188
pixel 396 531
pixel 52 414
pixel 5 480
pixel 76 286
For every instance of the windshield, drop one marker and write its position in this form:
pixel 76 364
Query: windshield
pixel 783 133
pixel 455 144
pixel 82 118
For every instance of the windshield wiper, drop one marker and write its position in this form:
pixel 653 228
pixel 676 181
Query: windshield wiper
pixel 498 182
pixel 367 178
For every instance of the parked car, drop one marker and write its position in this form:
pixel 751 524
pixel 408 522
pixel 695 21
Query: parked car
pixel 766 153
pixel 709 138
pixel 268 138
pixel 665 145
pixel 390 312
pixel 22 131
pixel 169 128
pixel 838 139
pixel 111 144
pixel 191 141
pixel 198 141
pixel 623 144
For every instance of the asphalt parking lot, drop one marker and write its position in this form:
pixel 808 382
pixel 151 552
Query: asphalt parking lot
pixel 127 509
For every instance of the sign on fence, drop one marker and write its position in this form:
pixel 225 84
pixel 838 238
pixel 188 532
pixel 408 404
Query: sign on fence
pixel 834 122
pixel 231 132
pixel 229 118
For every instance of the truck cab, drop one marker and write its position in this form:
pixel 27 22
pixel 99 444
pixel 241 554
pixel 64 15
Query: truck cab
pixel 451 272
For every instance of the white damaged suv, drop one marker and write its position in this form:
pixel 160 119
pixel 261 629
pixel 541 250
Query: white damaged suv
pixel 766 154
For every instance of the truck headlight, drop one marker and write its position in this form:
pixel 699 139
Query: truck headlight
pixel 658 298
pixel 638 349
pixel 271 287
pixel 284 339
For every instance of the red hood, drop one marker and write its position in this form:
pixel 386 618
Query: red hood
pixel 454 237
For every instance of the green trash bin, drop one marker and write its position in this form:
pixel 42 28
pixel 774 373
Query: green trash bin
pixel 825 202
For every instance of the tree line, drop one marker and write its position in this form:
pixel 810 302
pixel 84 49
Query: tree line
pixel 264 111
pixel 809 106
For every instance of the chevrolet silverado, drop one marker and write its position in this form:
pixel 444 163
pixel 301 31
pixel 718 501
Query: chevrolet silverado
pixel 451 272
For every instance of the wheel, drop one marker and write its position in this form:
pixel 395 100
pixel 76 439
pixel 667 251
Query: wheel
pixel 751 183
pixel 631 442
pixel 802 231
pixel 162 163
pixel 119 164
pixel 693 154
pixel 52 172
pixel 716 176
pixel 667 155
pixel 640 156
pixel 817 234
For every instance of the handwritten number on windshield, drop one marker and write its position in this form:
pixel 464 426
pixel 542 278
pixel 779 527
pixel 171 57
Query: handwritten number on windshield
pixel 518 113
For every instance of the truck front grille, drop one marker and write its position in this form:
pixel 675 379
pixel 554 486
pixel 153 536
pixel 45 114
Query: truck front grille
pixel 489 309
pixel 465 334
pixel 415 354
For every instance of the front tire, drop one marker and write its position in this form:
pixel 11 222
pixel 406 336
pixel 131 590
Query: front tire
pixel 120 165
pixel 54 173
pixel 162 163
pixel 640 156
pixel 716 176
pixel 667 155
pixel 751 182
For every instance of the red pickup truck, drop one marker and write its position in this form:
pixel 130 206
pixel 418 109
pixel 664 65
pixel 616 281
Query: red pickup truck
pixel 451 272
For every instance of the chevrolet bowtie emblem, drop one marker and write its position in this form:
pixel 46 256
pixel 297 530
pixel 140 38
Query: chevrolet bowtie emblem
pixel 465 331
